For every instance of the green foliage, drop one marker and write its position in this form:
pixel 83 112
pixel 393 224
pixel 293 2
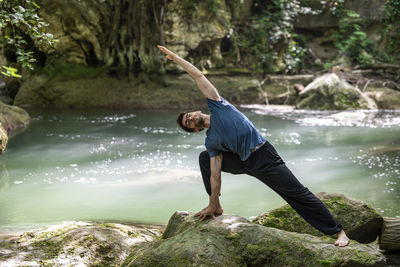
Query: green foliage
pixel 10 72
pixel 391 33
pixel 352 40
pixel 268 37
pixel 21 27
pixel 190 6
pixel 70 71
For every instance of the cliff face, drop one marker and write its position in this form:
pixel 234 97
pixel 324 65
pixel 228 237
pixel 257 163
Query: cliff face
pixel 111 33
pixel 122 34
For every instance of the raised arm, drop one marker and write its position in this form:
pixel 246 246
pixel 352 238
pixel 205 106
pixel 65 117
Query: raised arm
pixel 206 88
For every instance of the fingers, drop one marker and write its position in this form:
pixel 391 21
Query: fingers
pixel 204 215
pixel 163 49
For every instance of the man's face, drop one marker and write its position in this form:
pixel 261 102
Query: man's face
pixel 194 120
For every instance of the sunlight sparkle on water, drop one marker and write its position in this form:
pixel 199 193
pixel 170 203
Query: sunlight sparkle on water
pixel 141 167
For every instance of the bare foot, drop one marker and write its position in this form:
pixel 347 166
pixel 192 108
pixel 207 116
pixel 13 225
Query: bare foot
pixel 342 239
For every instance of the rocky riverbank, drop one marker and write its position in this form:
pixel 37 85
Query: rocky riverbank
pixel 332 91
pixel 228 240
pixel 12 120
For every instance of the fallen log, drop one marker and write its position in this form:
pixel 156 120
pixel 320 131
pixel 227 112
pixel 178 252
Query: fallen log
pixel 389 239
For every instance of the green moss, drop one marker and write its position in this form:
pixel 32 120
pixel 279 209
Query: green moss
pixel 50 247
pixel 66 70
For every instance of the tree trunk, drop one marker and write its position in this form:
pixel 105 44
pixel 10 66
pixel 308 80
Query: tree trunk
pixel 390 236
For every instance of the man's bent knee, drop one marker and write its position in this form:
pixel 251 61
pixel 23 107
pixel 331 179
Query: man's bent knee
pixel 204 158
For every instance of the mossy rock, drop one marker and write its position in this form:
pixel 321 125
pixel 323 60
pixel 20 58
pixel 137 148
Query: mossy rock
pixel 385 98
pixel 168 92
pixel 234 241
pixel 329 92
pixel 360 221
pixel 75 244
pixel 13 118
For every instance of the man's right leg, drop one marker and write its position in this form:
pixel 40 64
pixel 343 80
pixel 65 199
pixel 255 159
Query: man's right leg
pixel 230 163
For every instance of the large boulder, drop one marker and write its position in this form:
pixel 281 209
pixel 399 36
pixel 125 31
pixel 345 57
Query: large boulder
pixel 74 244
pixel 234 241
pixel 329 92
pixel 13 118
pixel 360 221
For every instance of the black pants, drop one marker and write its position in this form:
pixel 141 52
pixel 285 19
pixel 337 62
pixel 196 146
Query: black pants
pixel 266 165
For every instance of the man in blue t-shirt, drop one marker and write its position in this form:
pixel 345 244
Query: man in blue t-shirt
pixel 234 145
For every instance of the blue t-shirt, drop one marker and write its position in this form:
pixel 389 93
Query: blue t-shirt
pixel 230 130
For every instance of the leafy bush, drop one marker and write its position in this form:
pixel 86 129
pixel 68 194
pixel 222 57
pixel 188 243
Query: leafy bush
pixel 391 33
pixel 22 29
pixel 267 38
pixel 352 40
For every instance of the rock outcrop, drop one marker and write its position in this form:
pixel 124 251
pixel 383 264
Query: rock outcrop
pixel 3 138
pixel 234 241
pixel 13 118
pixel 385 98
pixel 75 244
pixel 360 221
pixel 178 91
pixel 329 92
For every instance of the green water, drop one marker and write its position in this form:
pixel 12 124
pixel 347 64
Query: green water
pixel 136 166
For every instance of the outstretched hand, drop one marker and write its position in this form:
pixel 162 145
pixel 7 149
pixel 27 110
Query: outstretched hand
pixel 169 54
pixel 207 211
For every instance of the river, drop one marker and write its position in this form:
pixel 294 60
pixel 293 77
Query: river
pixel 136 166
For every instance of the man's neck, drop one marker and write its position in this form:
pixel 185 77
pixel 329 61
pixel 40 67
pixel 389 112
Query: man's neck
pixel 206 121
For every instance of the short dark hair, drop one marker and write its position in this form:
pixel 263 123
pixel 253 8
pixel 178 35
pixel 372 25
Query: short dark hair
pixel 183 127
pixel 179 121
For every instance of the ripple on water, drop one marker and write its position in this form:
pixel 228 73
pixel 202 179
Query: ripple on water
pixel 382 165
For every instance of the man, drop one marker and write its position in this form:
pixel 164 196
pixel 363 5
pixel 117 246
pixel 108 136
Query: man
pixel 234 145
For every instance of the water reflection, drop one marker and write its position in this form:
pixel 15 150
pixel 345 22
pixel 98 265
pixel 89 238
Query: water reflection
pixel 4 179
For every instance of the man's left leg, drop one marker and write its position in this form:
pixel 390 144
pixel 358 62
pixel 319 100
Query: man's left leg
pixel 266 165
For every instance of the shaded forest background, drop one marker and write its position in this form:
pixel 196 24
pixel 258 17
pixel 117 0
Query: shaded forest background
pixel 115 40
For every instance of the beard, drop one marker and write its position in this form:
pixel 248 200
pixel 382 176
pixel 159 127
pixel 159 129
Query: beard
pixel 200 123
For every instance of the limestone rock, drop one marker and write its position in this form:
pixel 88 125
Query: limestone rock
pixel 385 98
pixel 3 138
pixel 234 241
pixel 186 32
pixel 13 118
pixel 329 92
pixel 360 221
pixel 74 244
